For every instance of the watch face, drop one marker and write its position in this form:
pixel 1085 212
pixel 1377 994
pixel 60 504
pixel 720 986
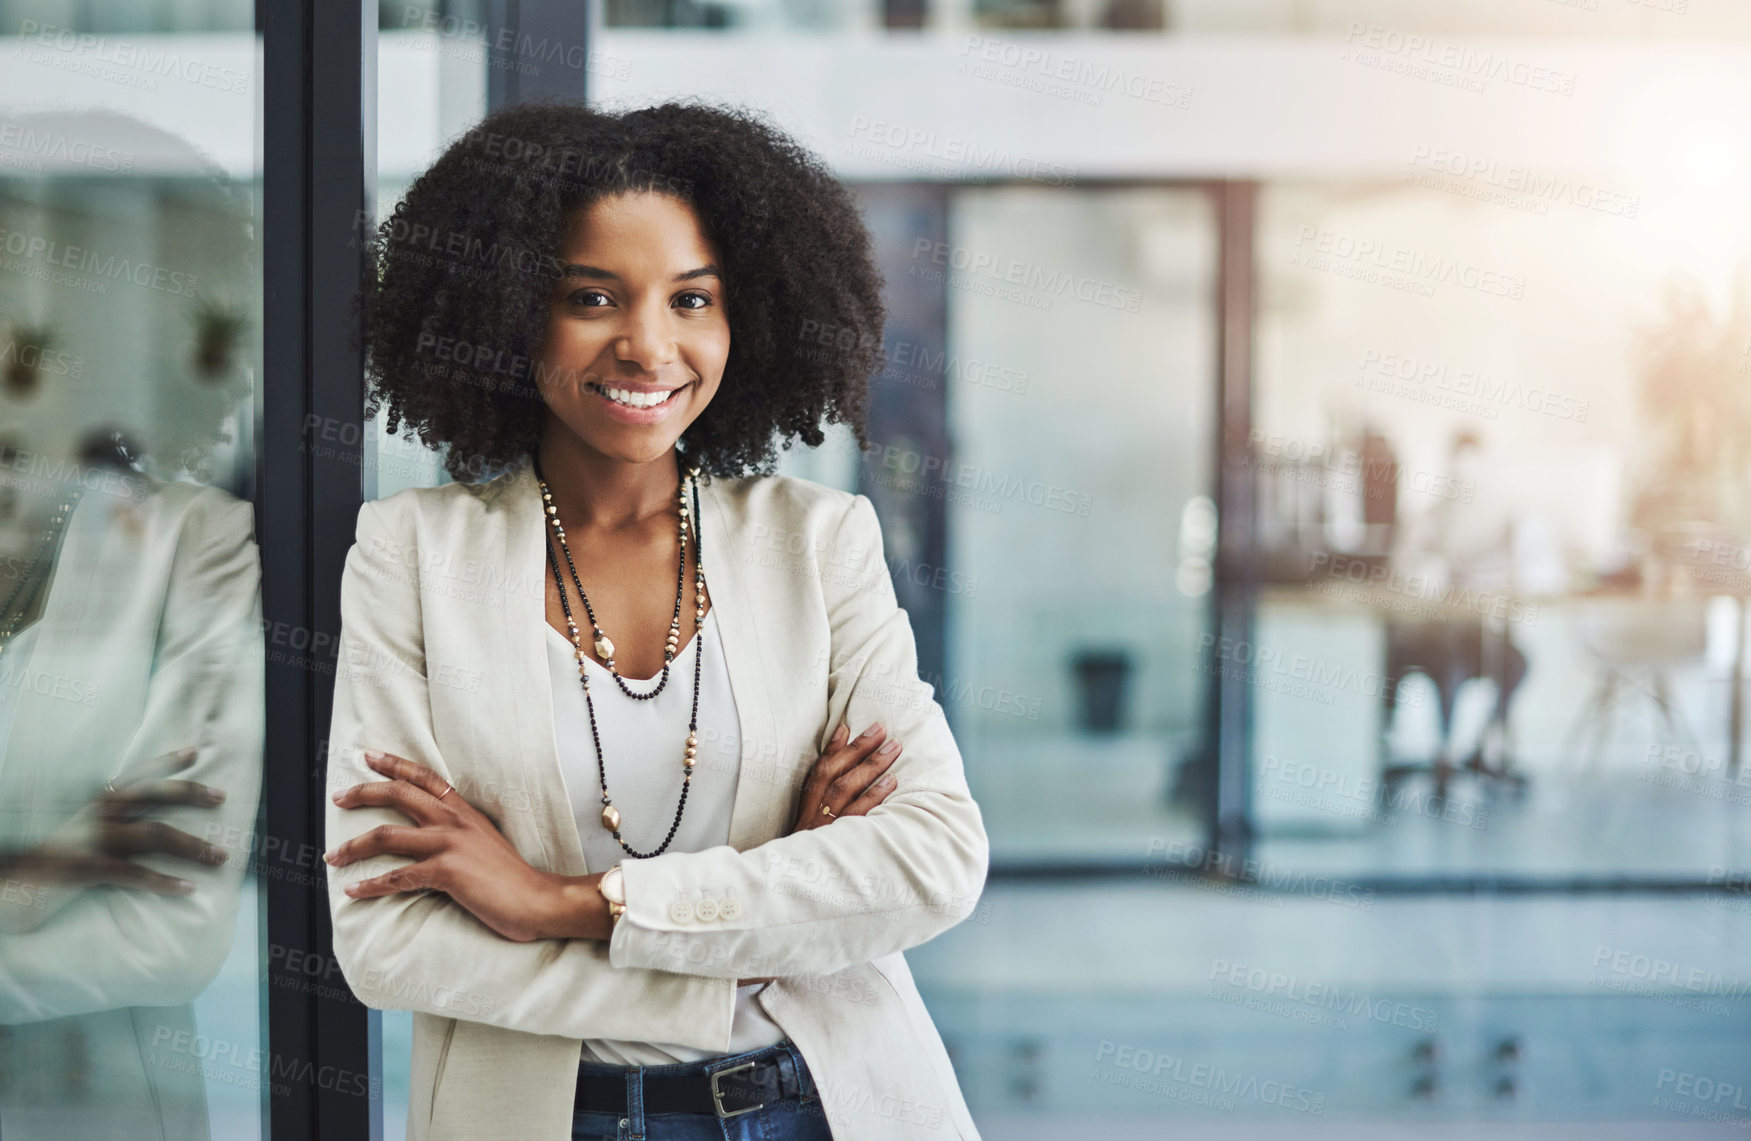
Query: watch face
pixel 610 885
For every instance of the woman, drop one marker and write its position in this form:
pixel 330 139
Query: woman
pixel 638 797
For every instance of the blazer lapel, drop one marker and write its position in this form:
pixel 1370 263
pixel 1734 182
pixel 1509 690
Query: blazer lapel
pixel 532 685
pixel 755 816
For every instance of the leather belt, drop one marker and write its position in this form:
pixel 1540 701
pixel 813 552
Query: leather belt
pixel 726 1092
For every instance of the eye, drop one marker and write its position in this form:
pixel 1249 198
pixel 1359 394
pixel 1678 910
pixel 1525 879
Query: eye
pixel 704 299
pixel 586 298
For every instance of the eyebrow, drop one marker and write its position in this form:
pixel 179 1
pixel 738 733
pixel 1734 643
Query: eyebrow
pixel 576 270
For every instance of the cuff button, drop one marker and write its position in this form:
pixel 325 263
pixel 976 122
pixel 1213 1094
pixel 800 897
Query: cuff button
pixel 681 911
pixel 706 909
pixel 728 909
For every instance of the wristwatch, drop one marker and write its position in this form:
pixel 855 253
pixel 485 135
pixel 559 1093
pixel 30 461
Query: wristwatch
pixel 614 891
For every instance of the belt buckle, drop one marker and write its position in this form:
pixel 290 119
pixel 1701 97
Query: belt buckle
pixel 717 1097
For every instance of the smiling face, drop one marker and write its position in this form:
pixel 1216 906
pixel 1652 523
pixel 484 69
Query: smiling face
pixel 637 315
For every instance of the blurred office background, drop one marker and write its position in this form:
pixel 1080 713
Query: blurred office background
pixel 1315 454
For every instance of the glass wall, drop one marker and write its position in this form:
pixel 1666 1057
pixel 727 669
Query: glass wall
pixel 1080 392
pixel 132 650
pixel 1500 445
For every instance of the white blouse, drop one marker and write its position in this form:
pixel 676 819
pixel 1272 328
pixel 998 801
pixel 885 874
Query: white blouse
pixel 644 742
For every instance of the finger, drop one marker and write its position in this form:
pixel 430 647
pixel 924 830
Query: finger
pixel 851 784
pixel 831 765
pixel 133 838
pixel 413 877
pixel 126 873
pixel 164 764
pixel 873 795
pixel 386 839
pixel 141 795
pixel 92 868
pixel 154 769
pixel 405 797
pixel 400 768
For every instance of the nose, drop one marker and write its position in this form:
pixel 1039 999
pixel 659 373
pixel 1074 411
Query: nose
pixel 648 340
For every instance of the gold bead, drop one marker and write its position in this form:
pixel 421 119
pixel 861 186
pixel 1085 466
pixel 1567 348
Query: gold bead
pixel 690 761
pixel 611 818
pixel 604 648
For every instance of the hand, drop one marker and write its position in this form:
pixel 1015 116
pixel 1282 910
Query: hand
pixel 100 843
pixel 456 850
pixel 847 778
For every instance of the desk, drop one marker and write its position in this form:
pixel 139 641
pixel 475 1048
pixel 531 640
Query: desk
pixel 1317 728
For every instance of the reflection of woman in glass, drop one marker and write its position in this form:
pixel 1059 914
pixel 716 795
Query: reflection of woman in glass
pixel 598 819
pixel 130 646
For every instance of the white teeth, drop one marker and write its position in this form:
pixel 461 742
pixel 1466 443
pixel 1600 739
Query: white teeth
pixel 636 399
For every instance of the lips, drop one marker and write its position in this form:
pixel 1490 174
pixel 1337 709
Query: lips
pixel 634 414
pixel 600 390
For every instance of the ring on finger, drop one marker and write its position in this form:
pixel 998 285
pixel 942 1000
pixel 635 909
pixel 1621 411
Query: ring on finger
pixel 828 812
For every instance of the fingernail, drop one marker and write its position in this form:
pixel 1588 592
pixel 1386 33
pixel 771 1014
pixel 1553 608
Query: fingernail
pixel 372 755
pixel 840 734
pixel 337 796
pixel 328 856
pixel 183 886
pixel 891 745
pixel 887 780
pixel 871 731
pixel 214 796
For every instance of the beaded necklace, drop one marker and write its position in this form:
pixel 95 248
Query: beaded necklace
pixel 605 648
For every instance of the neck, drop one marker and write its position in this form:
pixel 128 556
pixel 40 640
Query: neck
pixel 595 491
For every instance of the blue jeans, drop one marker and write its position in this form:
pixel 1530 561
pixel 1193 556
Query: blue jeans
pixel 792 1120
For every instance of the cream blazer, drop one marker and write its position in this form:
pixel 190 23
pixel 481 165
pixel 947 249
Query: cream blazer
pixel 150 641
pixel 442 660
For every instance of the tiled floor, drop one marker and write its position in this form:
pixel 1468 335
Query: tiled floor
pixel 1189 1011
